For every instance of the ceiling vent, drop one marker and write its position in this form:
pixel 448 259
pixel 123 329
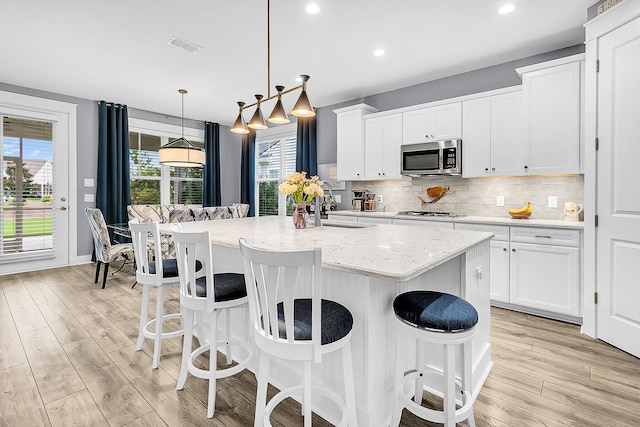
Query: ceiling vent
pixel 183 44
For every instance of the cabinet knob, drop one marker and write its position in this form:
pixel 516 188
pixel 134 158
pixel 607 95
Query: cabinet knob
pixel 379 174
pixel 486 169
pixel 513 250
pixel 383 173
pixel 526 167
pixel 504 249
pixel 493 169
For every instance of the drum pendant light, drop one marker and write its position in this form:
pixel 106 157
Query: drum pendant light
pixel 181 152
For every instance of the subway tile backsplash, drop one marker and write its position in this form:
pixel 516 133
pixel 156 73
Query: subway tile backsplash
pixel 477 196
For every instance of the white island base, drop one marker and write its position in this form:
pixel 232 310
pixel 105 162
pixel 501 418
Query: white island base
pixel 368 293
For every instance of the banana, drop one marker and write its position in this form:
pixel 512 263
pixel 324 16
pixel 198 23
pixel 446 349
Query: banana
pixel 525 209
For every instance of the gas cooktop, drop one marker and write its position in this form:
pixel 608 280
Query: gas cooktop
pixel 429 213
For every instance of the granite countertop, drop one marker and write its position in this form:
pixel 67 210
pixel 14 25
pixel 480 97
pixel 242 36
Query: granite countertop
pixel 531 222
pixel 383 251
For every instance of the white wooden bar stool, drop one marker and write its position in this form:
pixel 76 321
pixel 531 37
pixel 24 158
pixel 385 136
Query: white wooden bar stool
pixel 436 318
pixel 205 295
pixel 299 329
pixel 152 271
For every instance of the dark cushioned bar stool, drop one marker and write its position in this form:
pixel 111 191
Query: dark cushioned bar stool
pixel 435 318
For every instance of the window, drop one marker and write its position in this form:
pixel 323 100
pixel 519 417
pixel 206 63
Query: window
pixel 152 183
pixel 275 158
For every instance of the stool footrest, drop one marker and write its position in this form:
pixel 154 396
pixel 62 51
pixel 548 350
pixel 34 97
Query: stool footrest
pixel 220 373
pixel 165 335
pixel 291 391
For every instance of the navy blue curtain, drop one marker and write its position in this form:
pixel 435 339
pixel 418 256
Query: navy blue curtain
pixel 306 150
pixel 248 171
pixel 211 194
pixel 113 192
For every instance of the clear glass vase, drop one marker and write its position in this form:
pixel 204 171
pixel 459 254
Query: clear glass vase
pixel 300 215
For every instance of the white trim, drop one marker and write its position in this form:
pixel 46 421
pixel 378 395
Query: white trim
pixel 613 18
pixel 150 127
pixel 552 63
pixel 276 132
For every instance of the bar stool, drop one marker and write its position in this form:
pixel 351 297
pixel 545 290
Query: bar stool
pixel 435 318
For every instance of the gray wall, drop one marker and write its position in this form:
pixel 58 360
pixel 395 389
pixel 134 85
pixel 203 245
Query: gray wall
pixel 481 80
pixel 87 149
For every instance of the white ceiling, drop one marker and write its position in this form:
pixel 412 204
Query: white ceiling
pixel 117 50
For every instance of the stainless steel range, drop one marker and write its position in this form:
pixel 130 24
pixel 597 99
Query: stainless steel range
pixel 429 213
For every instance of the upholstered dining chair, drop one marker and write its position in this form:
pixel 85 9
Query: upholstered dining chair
pixel 105 252
pixel 203 297
pixel 288 327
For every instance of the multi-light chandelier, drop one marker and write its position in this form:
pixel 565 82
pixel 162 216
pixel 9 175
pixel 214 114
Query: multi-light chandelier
pixel 181 152
pixel 302 107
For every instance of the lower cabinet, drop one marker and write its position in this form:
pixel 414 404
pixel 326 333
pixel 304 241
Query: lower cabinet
pixel 499 286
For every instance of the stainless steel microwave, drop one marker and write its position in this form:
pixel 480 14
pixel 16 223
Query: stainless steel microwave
pixel 432 158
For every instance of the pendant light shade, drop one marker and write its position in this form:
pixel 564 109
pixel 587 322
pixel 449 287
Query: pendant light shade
pixel 257 121
pixel 278 115
pixel 239 126
pixel 180 152
pixel 303 107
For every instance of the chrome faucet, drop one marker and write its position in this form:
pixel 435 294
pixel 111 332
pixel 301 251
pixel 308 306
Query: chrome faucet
pixel 319 202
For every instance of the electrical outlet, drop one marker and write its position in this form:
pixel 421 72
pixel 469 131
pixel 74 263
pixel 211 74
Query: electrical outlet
pixel 553 201
pixel 88 198
pixel 499 200
pixel 88 182
pixel 379 198
pixel 338 198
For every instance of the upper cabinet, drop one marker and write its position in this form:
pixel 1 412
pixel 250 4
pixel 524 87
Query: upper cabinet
pixel 433 123
pixel 491 140
pixel 382 140
pixel 551 94
pixel 350 142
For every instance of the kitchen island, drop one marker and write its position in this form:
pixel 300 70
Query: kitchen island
pixel 365 267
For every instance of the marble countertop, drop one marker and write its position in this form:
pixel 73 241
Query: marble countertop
pixel 531 222
pixel 383 251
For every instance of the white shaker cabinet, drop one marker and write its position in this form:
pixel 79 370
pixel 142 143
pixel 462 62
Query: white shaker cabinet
pixel 433 123
pixel 491 135
pixel 499 265
pixel 545 275
pixel 350 142
pixel 382 140
pixel 551 112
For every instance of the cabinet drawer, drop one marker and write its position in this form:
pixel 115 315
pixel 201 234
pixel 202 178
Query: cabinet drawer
pixel 501 231
pixel 545 236
pixel 424 223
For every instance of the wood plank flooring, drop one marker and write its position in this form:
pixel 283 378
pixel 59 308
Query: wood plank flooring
pixel 67 357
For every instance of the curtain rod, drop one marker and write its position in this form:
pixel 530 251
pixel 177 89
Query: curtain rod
pixel 152 112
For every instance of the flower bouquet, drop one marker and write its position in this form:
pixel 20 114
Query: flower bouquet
pixel 302 190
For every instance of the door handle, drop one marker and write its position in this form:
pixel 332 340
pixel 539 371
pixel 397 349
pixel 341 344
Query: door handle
pixel 63 208
pixel 542 236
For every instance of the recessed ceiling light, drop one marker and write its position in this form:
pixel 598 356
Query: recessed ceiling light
pixel 507 8
pixel 379 52
pixel 312 8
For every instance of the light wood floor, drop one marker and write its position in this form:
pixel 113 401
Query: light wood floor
pixel 67 357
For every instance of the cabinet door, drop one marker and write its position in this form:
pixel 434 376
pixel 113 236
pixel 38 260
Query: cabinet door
pixel 446 121
pixel 476 137
pixel 551 102
pixel 350 144
pixel 391 141
pixel 415 126
pixel 499 271
pixel 545 277
pixel 506 142
pixel 373 143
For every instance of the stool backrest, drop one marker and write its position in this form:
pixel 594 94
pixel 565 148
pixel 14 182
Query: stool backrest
pixel 147 247
pixel 189 248
pixel 278 277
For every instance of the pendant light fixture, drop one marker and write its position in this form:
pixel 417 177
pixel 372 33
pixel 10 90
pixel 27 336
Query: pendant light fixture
pixel 302 107
pixel 181 152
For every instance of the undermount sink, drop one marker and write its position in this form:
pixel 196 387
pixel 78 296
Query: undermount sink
pixel 339 224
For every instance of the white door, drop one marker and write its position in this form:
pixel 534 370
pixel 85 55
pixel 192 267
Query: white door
pixel 618 196
pixel 34 149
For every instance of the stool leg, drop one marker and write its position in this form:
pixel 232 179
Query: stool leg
pixel 186 347
pixel 349 388
pixel 449 366
pixel 467 380
pixel 261 395
pixel 417 397
pixel 306 400
pixel 213 362
pixel 157 346
pixel 228 335
pixel 144 316
pixel 398 406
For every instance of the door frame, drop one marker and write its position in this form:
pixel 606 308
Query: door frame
pixel 23 105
